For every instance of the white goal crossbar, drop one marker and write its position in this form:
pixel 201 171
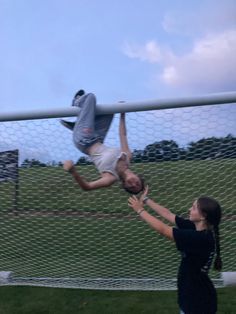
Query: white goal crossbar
pixel 158 104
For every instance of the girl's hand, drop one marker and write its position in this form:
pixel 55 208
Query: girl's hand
pixel 144 194
pixel 68 165
pixel 135 203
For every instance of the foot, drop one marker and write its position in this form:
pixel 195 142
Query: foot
pixel 69 125
pixel 68 165
pixel 77 96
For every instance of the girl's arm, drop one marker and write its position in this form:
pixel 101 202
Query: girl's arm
pixel 160 210
pixel 155 223
pixel 85 185
pixel 123 136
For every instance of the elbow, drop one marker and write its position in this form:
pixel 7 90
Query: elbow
pixel 167 232
pixel 86 188
pixel 161 230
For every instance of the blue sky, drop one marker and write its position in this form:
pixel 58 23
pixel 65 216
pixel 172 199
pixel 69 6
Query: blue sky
pixel 134 50
pixel 120 50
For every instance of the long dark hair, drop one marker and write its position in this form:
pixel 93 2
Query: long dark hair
pixel 211 210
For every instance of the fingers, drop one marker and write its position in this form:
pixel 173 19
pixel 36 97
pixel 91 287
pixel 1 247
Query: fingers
pixel 67 165
pixel 133 202
pixel 144 194
pixel 146 189
pixel 133 197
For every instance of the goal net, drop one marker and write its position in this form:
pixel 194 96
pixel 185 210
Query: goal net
pixel 54 234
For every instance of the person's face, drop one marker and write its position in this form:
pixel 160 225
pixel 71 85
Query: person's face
pixel 194 213
pixel 133 183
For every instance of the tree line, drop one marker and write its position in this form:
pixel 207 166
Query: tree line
pixel 168 150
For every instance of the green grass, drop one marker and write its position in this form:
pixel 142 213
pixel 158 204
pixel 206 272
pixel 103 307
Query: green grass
pixel 61 231
pixel 175 184
pixel 27 300
pixel 82 247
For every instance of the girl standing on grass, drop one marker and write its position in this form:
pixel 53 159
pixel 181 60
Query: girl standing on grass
pixel 197 238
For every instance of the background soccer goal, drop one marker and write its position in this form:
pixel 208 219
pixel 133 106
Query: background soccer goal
pixel 54 234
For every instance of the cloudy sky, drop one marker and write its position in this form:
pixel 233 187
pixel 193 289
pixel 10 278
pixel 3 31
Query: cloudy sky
pixel 132 50
pixel 120 50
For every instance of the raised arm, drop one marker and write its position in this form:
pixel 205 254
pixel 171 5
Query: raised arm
pixel 160 210
pixel 85 185
pixel 154 222
pixel 123 136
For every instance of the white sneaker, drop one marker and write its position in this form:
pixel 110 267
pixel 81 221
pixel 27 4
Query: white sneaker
pixel 77 96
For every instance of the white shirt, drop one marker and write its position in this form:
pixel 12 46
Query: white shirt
pixel 106 158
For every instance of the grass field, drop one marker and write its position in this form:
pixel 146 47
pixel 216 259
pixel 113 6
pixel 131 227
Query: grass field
pixel 60 231
pixel 175 184
pixel 27 300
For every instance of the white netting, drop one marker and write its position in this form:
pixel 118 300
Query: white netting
pixel 54 234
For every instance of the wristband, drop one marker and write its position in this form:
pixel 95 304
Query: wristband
pixel 140 211
pixel 145 199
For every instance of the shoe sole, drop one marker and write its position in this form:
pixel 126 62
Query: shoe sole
pixel 67 124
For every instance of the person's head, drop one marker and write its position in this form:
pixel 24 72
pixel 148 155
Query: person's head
pixel 133 183
pixel 207 209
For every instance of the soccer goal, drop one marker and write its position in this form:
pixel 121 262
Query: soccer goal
pixel 54 234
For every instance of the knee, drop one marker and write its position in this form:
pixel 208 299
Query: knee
pixel 91 97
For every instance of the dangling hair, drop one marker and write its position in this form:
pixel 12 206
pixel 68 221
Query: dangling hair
pixel 211 210
pixel 130 190
pixel 218 261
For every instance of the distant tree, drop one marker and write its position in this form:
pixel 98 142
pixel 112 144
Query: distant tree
pixel 162 151
pixel 212 148
pixel 228 147
pixel 28 163
pixel 137 155
pixel 205 148
pixel 25 163
pixel 83 160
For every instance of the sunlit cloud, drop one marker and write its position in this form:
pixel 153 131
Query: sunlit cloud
pixel 149 52
pixel 209 65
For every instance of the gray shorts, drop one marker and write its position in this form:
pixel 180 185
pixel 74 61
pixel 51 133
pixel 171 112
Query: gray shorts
pixel 89 128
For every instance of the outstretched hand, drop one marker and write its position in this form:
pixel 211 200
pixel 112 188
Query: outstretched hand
pixel 144 194
pixel 135 203
pixel 68 165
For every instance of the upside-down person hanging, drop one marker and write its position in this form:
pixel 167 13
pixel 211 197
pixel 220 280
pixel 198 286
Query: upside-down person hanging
pixel 89 132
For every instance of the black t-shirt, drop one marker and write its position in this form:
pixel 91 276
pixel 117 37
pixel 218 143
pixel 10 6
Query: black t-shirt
pixel 196 293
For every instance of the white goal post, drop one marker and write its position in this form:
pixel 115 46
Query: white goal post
pixel 60 236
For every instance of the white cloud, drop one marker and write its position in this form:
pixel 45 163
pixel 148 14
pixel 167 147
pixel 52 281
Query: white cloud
pixel 178 22
pixel 209 65
pixel 149 52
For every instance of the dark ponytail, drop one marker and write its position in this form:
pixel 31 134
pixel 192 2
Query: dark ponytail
pixel 218 261
pixel 211 210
